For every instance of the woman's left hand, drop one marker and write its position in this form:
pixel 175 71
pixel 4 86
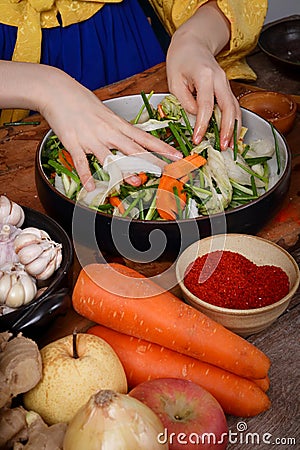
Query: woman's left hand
pixel 196 78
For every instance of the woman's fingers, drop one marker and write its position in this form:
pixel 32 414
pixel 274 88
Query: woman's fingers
pixel 211 86
pixel 83 170
pixel 85 125
pixel 130 140
pixel 231 114
pixel 205 104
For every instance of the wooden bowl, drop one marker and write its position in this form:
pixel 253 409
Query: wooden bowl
pixel 278 109
pixel 260 251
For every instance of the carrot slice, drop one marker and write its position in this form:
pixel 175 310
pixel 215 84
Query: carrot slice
pixel 166 203
pixel 65 159
pixel 174 177
pixel 123 299
pixel 144 361
pixel 184 166
pixel 117 203
pixel 161 111
pixel 143 176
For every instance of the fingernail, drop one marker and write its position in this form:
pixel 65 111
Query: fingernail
pixel 133 180
pixel 178 155
pixel 89 185
pixel 196 139
pixel 225 144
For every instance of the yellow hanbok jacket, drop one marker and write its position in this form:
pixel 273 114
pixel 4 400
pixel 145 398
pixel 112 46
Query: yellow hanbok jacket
pixel 30 16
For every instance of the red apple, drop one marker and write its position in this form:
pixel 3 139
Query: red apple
pixel 192 417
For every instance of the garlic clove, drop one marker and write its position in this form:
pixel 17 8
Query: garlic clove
pixel 58 258
pixel 40 255
pixel 11 212
pixel 41 234
pixel 29 253
pixel 16 286
pixel 25 238
pixel 4 208
pixel 16 295
pixel 29 286
pixel 8 234
pixel 31 235
pixel 39 264
pixel 53 264
pixel 17 215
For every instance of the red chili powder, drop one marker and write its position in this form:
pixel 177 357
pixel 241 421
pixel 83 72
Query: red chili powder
pixel 230 280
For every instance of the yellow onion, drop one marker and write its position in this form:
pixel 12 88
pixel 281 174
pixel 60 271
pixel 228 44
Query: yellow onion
pixel 114 421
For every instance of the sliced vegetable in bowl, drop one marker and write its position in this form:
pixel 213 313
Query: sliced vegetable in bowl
pixel 218 181
pixel 128 224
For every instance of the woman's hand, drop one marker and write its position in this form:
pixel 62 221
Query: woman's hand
pixel 194 75
pixel 80 120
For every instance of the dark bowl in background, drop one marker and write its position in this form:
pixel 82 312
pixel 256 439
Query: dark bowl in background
pixel 280 41
pixel 147 241
pixel 31 319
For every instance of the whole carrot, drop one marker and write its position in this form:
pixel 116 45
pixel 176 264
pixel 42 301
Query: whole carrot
pixel 262 383
pixel 123 299
pixel 144 361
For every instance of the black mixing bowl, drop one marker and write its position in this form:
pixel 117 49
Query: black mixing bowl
pixel 147 241
pixel 280 40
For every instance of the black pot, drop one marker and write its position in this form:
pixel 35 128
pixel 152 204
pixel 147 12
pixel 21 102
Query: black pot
pixel 280 40
pixel 147 241
pixel 33 317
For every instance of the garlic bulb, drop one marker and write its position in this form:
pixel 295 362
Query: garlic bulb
pixel 8 234
pixel 11 212
pixel 17 287
pixel 40 255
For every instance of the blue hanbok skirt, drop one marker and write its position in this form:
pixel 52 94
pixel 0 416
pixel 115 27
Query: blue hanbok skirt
pixel 114 44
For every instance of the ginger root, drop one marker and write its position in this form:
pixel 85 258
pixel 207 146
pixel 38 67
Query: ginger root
pixel 20 366
pixel 20 371
pixel 40 436
pixel 12 426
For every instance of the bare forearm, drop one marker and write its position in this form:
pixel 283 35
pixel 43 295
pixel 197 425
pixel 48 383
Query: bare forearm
pixel 209 26
pixel 25 85
pixel 194 74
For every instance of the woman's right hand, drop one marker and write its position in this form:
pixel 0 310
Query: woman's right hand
pixel 85 125
pixel 81 121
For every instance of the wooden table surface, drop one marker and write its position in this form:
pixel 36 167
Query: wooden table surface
pixel 279 425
